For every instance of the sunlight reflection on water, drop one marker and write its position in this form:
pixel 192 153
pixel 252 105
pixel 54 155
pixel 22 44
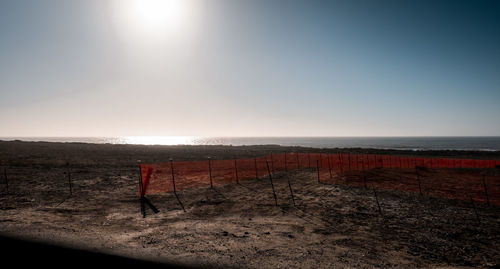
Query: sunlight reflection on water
pixel 407 143
pixel 156 140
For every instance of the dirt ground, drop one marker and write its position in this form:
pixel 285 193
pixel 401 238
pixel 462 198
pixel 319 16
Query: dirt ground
pixel 235 225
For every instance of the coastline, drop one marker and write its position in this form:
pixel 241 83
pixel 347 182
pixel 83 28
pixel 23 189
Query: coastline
pixel 411 143
pixel 21 153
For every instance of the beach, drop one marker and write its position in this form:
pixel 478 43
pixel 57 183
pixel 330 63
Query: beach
pixel 236 225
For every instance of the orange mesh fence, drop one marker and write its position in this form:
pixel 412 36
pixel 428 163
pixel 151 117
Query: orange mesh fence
pixel 288 161
pixel 184 174
pixel 304 160
pixel 398 173
pixel 462 186
pixel 262 167
pixel 292 161
pixel 145 176
pixel 314 159
pixel 191 174
pixel 324 166
pixel 277 162
pixel 154 178
pixel 345 162
pixel 436 182
pixel 382 171
pixel 246 169
pixel 358 161
pixel 250 168
pixel 223 172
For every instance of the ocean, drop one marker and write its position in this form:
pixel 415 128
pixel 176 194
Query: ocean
pixel 490 143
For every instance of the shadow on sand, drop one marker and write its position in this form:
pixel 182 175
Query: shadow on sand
pixel 24 253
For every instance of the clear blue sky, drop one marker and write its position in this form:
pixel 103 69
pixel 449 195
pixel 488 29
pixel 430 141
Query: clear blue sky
pixel 249 68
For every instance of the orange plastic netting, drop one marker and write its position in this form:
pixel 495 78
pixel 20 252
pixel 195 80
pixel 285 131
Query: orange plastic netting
pixel 176 176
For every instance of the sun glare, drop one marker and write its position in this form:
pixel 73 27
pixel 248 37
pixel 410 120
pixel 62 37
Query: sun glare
pixel 157 18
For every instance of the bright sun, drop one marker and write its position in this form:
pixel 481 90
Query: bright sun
pixel 153 17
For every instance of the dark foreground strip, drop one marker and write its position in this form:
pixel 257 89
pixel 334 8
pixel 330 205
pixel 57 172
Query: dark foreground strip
pixel 23 253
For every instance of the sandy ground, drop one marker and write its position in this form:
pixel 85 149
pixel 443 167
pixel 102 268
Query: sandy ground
pixel 234 225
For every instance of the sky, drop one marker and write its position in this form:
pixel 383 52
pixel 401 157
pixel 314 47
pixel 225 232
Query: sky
pixel 249 68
